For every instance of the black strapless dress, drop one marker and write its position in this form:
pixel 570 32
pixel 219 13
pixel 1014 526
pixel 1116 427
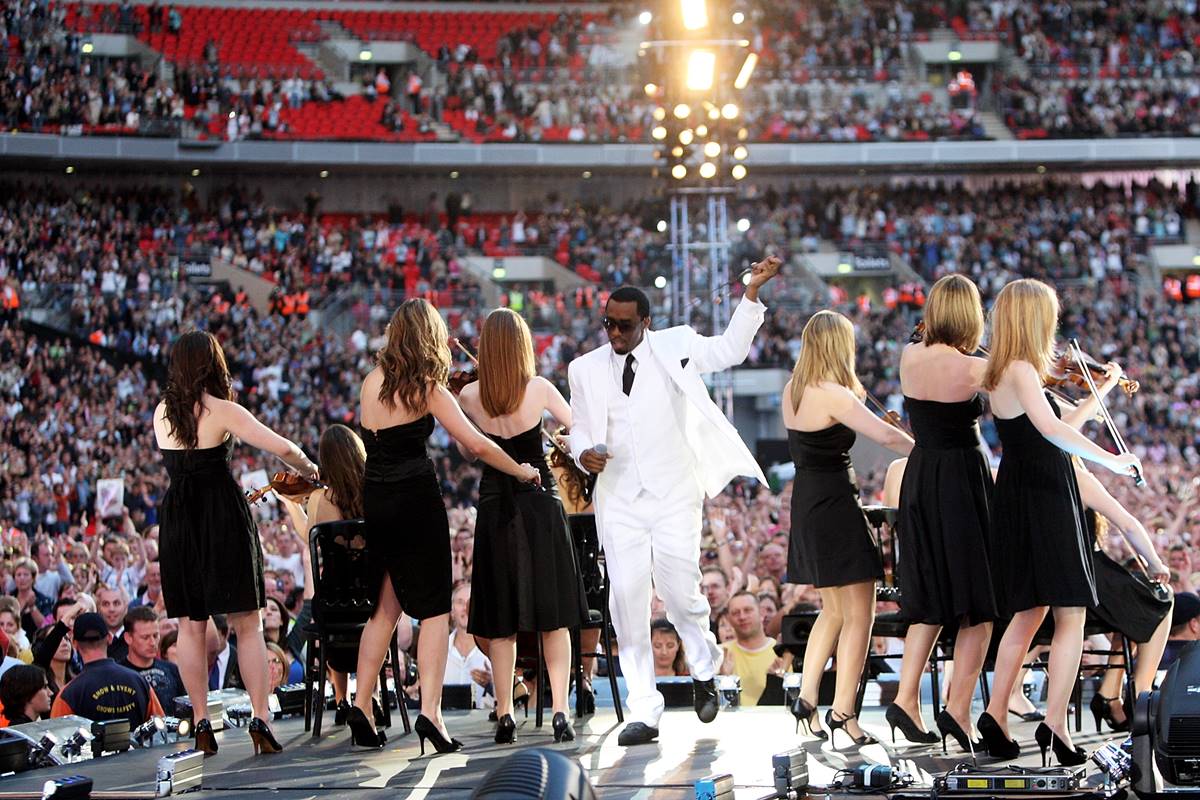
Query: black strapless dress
pixel 1129 602
pixel 1041 553
pixel 831 542
pixel 211 559
pixel 407 531
pixel 524 575
pixel 944 564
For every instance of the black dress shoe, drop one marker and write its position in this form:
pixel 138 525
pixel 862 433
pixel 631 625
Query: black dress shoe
pixel 705 699
pixel 637 733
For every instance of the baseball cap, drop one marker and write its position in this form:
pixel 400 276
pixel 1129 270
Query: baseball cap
pixel 1187 608
pixel 90 627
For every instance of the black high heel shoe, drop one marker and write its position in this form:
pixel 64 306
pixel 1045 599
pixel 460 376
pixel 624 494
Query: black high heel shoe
pixel 997 744
pixel 206 740
pixel 506 732
pixel 804 714
pixel 521 699
pixel 427 730
pixel 1102 710
pixel 589 700
pixel 897 717
pixel 340 713
pixel 264 741
pixel 563 732
pixel 362 730
pixel 838 723
pixel 1066 756
pixel 948 726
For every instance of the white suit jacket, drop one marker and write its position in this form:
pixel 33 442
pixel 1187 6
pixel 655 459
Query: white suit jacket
pixel 719 452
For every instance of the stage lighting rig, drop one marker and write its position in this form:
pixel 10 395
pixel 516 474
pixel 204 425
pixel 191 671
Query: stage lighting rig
pixel 1165 742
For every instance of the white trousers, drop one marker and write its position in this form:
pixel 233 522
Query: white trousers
pixel 655 540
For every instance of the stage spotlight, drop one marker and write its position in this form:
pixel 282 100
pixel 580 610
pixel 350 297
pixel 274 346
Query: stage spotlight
pixel 662 226
pixel 1196 258
pixel 660 282
pixel 738 172
pixel 738 18
pixel 660 113
pixel 708 170
pixel 453 174
pixel 651 89
pixel 740 152
pixel 70 170
pixel 195 173
pixel 645 17
pixel 743 134
pixel 743 76
pixel 955 53
pixel 659 132
pixel 537 773
pixel 365 55
pixel 682 111
pixel 499 273
pixel 686 136
pixel 695 14
pixel 743 224
pixel 712 149
pixel 87 46
pixel 324 173
pixel 587 174
pixel 701 64
pixel 702 130
pixel 679 172
pixel 714 113
pixel 729 111
pixel 677 151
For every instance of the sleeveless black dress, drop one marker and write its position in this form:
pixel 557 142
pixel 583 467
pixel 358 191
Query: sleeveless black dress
pixel 525 576
pixel 211 559
pixel 1129 602
pixel 831 542
pixel 407 531
pixel 1041 553
pixel 944 563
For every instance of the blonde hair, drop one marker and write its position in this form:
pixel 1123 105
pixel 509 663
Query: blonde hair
pixel 826 354
pixel 505 361
pixel 954 314
pixel 1024 319
pixel 415 357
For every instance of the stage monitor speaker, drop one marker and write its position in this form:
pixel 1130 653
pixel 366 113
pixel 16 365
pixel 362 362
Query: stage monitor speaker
pixel 111 736
pixel 458 696
pixel 536 775
pixel 676 692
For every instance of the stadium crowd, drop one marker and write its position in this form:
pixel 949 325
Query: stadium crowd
pixel 113 255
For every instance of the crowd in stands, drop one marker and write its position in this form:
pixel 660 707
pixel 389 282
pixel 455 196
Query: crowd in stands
pixel 114 255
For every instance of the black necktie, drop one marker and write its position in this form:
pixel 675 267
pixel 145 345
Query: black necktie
pixel 627 375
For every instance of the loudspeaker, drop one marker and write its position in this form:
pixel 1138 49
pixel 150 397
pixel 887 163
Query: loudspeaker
pixel 536 775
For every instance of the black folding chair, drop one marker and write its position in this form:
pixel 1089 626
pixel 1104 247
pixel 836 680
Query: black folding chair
pixel 346 589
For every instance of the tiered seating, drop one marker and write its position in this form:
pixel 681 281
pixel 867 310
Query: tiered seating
pixel 246 37
pixel 354 119
pixel 481 30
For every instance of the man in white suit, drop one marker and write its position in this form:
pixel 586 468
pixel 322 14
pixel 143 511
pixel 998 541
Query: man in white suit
pixel 645 425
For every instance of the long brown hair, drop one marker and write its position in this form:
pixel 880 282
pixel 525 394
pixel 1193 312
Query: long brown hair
pixel 1024 319
pixel 826 354
pixel 343 465
pixel 505 361
pixel 197 365
pixel 415 357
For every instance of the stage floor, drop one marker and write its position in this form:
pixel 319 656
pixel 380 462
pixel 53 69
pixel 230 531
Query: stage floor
pixel 740 742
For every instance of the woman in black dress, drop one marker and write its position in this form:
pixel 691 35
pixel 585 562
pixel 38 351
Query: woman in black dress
pixel 407 530
pixel 525 576
pixel 209 547
pixel 942 527
pixel 1042 557
pixel 1136 605
pixel 831 544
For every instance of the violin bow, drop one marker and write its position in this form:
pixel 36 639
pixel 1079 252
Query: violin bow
pixel 1077 354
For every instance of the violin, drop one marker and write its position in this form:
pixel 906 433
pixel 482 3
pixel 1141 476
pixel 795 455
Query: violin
pixel 1085 367
pixel 286 484
pixel 1071 366
pixel 889 416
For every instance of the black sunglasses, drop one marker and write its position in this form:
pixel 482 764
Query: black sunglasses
pixel 623 325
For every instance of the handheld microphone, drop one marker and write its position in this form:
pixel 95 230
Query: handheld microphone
pixel 601 449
